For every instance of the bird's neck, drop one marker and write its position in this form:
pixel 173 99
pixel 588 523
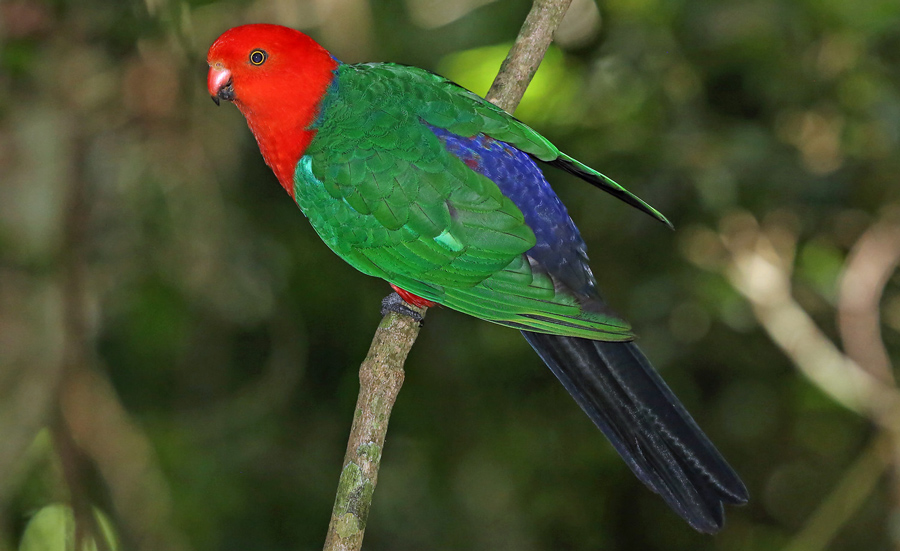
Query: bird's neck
pixel 284 127
pixel 282 141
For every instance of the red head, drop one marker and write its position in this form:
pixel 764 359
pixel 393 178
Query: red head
pixel 276 76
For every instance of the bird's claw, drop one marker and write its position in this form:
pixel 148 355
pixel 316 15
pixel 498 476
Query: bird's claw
pixel 393 303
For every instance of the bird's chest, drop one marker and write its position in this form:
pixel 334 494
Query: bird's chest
pixel 340 226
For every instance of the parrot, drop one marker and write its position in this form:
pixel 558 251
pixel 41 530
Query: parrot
pixel 411 178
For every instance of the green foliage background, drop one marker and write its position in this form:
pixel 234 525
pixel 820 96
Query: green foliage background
pixel 169 318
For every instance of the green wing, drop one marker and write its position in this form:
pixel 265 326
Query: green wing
pixel 383 193
pixel 470 114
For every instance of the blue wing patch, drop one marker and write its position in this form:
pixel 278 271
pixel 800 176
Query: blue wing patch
pixel 560 250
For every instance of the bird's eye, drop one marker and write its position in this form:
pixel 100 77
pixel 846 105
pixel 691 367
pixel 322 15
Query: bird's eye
pixel 258 57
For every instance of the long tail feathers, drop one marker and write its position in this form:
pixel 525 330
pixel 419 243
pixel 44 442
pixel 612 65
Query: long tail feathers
pixel 607 184
pixel 617 387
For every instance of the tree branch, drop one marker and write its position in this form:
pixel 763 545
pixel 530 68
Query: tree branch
pixel 381 373
pixel 525 56
pixel 761 271
pixel 380 378
pixel 869 266
pixel 90 426
pixel 761 274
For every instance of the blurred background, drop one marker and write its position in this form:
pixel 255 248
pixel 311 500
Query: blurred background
pixel 179 351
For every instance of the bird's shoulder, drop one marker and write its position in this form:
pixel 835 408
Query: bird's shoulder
pixel 413 95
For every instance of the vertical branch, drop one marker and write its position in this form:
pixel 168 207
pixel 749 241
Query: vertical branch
pixel 381 373
pixel 76 351
pixel 91 429
pixel 869 266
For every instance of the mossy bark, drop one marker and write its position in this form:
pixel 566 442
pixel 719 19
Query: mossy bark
pixel 380 378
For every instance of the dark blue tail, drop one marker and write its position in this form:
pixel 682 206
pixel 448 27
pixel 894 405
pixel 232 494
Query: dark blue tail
pixel 617 387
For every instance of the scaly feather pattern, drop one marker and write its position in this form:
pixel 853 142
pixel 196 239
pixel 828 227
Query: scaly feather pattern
pixel 410 178
pixel 383 190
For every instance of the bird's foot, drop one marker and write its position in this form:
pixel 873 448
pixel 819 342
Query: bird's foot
pixel 394 303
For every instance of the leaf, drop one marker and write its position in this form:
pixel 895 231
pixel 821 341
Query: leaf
pixel 53 529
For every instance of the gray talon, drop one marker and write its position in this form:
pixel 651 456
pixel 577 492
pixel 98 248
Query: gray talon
pixel 393 303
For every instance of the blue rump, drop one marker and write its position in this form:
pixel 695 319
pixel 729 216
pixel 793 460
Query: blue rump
pixel 559 250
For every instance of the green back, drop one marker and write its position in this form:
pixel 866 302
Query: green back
pixel 383 193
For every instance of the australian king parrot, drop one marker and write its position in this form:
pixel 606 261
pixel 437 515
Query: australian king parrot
pixel 414 179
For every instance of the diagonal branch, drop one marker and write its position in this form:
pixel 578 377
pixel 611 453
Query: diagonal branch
pixel 380 378
pixel 525 56
pixel 860 380
pixel 762 275
pixel 381 374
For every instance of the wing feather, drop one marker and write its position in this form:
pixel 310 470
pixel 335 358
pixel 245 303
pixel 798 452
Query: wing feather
pixel 398 204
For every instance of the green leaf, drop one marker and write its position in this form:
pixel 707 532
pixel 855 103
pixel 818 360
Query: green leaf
pixel 53 529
